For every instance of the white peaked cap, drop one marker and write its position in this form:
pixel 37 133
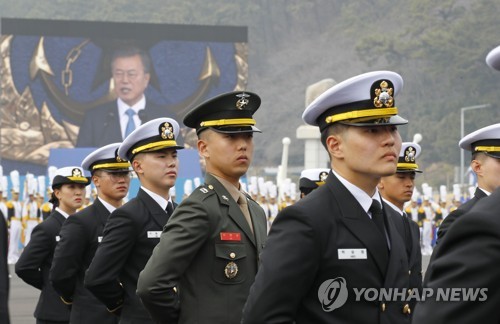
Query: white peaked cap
pixel 171 192
pixel 196 182
pixel 493 58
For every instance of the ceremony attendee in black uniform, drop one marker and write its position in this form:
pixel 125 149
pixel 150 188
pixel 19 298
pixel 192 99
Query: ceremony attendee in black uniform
pixel 466 259
pixel 4 270
pixel 112 122
pixel 339 237
pixel 82 232
pixel 34 264
pixel 311 179
pixel 396 190
pixel 485 164
pixel 207 258
pixel 133 230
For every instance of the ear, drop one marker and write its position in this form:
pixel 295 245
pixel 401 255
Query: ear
pixel 476 166
pixel 334 144
pixel 147 77
pixel 95 180
pixel 57 193
pixel 137 166
pixel 203 148
pixel 380 185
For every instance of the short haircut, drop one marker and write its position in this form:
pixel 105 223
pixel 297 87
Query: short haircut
pixel 334 129
pixel 128 51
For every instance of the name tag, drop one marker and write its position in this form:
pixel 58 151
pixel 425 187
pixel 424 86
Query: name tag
pixel 355 254
pixel 58 238
pixel 154 234
pixel 99 239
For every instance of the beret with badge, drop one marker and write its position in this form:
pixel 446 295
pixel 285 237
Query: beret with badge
pixel 155 135
pixel 364 100
pixel 485 140
pixel 227 113
pixel 69 175
pixel 106 158
pixel 407 158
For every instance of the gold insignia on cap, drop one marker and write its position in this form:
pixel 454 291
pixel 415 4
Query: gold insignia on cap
pixel 322 176
pixel 167 131
pixel 118 158
pixel 383 96
pixel 243 101
pixel 231 270
pixel 410 154
pixel 76 173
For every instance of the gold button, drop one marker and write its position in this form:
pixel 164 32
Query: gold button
pixel 232 255
pixel 175 289
pixel 382 307
pixel 409 291
pixel 406 309
pixel 409 272
pixel 210 187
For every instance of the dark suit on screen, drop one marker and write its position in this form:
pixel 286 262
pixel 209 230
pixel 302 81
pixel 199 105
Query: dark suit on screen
pixel 101 125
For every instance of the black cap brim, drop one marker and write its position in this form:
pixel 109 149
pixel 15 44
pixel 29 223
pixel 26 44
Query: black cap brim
pixel 393 120
pixel 234 129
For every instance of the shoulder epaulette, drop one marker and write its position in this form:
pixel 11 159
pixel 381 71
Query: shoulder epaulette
pixel 204 190
pixel 46 208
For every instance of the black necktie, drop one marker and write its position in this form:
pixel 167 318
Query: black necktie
pixel 408 240
pixel 169 209
pixel 378 216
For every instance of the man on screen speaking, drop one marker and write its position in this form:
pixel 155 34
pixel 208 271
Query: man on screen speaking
pixel 113 121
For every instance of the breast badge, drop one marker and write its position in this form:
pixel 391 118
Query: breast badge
pixel 231 270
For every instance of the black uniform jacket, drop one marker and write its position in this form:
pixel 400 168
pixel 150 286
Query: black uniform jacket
pixel 131 233
pixel 410 233
pixel 4 272
pixel 209 254
pixel 101 125
pixel 322 242
pixel 34 265
pixel 467 258
pixel 452 217
pixel 80 236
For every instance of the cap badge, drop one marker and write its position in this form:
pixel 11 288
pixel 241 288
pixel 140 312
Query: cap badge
pixel 383 96
pixel 231 270
pixel 322 176
pixel 410 154
pixel 118 158
pixel 76 173
pixel 167 131
pixel 243 101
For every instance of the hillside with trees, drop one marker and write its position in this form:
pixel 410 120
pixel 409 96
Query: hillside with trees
pixel 438 47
